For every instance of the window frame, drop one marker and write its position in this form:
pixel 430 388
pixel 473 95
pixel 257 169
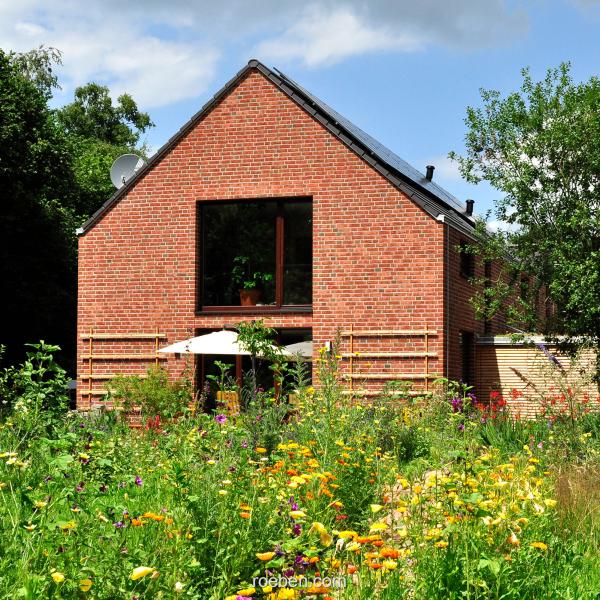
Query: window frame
pixel 466 261
pixel 279 306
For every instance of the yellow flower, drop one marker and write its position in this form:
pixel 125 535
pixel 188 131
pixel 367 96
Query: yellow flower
pixel 57 577
pixel 346 535
pixel 260 450
pixel 375 508
pixel 441 544
pixel 286 594
pixel 297 514
pixel 85 585
pixel 30 527
pixel 539 546
pixel 390 565
pixel 40 504
pixel 378 527
pixel 140 572
pixel 247 591
pixel 550 503
pixel 265 556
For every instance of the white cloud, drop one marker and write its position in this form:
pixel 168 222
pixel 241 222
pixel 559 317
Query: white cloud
pixel 321 38
pixel 164 52
pixel 329 32
pixel 113 49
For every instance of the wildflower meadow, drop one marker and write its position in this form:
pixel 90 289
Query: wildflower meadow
pixel 302 496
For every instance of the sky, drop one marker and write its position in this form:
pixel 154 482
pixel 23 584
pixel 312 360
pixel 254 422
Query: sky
pixel 402 70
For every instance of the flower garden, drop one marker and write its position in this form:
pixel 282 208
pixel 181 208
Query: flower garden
pixel 400 497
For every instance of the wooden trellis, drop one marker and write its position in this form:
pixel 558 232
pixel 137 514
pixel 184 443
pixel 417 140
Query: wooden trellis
pixel 353 357
pixel 104 356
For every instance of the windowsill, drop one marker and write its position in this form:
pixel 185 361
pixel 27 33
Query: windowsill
pixel 242 310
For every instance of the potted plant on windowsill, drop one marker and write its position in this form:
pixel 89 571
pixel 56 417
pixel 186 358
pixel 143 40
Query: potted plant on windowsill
pixel 250 282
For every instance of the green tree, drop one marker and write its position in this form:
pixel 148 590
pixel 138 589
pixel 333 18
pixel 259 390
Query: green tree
pixel 37 245
pixel 92 115
pixel 37 66
pixel 98 132
pixel 540 147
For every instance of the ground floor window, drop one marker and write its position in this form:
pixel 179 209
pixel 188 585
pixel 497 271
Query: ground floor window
pixel 215 372
pixel 467 352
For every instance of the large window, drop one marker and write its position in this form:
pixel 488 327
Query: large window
pixel 256 254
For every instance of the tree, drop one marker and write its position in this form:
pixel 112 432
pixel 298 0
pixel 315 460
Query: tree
pixel 54 173
pixel 540 147
pixel 92 115
pixel 37 66
pixel 37 245
pixel 99 132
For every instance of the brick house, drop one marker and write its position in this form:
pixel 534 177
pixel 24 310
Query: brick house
pixel 341 233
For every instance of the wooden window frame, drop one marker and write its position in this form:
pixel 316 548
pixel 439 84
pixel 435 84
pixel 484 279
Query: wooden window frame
pixel 278 306
pixel 466 270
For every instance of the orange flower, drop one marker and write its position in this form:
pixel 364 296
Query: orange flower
pixel 137 522
pixel 389 553
pixel 245 515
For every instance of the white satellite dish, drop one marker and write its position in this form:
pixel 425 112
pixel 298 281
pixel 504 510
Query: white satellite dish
pixel 124 168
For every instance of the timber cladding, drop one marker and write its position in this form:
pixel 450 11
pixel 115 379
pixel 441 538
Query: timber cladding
pixel 527 377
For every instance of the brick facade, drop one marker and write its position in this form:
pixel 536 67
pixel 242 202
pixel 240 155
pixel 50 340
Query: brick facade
pixel 380 261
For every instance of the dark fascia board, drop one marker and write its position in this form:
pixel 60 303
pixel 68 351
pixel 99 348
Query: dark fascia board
pixel 430 203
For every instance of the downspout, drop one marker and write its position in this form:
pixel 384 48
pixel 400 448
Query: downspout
pixel 442 220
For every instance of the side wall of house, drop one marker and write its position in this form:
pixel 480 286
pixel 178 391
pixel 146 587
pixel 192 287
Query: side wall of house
pixel 378 258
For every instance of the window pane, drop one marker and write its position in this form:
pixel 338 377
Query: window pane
pixel 239 252
pixel 297 285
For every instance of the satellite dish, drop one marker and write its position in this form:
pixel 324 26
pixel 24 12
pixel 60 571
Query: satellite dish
pixel 124 168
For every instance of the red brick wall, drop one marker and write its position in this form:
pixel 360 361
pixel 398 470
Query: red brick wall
pixel 378 258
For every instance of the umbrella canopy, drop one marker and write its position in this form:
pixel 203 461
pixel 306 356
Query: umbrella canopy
pixel 218 342
pixel 304 349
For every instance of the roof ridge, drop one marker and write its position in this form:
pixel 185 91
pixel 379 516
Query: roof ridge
pixel 431 197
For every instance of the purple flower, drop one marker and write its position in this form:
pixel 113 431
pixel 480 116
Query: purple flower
pixel 296 529
pixel 244 444
pixel 457 404
pixel 461 426
pixel 119 524
pixel 293 504
pixel 221 419
pixel 79 487
pixel 289 573
pixel 138 481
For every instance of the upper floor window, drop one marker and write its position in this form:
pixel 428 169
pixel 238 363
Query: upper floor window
pixel 256 253
pixel 467 261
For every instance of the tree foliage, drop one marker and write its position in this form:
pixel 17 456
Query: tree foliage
pixel 540 146
pixel 54 173
pixel 92 115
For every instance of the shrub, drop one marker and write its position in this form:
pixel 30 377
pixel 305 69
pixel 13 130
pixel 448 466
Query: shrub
pixel 154 395
pixel 36 392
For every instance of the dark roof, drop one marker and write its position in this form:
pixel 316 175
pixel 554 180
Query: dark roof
pixel 428 195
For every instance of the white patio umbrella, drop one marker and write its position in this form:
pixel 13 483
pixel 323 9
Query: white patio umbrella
pixel 304 349
pixel 218 342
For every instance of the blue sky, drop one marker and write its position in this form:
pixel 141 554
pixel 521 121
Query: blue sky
pixel 404 71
